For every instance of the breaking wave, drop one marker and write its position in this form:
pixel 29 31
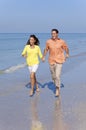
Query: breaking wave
pixel 13 68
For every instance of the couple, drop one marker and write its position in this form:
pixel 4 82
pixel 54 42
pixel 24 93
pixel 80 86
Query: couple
pixel 56 48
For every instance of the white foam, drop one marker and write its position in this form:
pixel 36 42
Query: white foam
pixel 14 68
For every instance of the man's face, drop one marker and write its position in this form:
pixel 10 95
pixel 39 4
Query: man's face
pixel 54 35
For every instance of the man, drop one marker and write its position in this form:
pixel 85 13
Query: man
pixel 56 48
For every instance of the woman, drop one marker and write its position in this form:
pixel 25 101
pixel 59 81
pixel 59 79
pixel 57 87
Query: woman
pixel 32 52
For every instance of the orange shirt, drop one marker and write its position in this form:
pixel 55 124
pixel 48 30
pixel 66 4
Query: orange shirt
pixel 56 50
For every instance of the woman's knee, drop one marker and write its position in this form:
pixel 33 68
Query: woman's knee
pixel 32 75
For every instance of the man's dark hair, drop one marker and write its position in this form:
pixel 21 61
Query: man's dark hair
pixel 55 30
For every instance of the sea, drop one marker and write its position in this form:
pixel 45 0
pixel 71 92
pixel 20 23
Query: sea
pixel 12 44
pixel 44 110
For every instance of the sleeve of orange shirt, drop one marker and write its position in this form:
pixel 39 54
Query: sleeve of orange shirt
pixel 47 47
pixel 64 46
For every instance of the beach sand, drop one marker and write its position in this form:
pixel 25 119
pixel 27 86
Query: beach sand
pixel 43 111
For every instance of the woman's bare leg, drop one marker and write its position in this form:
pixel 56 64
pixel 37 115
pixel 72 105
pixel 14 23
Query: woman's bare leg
pixel 37 87
pixel 32 80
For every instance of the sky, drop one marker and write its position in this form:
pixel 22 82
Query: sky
pixel 27 16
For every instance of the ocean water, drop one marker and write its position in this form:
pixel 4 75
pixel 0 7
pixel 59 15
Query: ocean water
pixel 49 112
pixel 12 44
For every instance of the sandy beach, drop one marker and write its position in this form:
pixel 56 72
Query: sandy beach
pixel 43 111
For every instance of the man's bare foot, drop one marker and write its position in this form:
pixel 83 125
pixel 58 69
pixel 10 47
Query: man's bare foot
pixel 57 92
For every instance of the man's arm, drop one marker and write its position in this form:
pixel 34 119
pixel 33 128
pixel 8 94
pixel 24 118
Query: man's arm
pixel 66 49
pixel 67 52
pixel 44 54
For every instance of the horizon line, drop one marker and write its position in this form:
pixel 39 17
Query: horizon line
pixel 39 32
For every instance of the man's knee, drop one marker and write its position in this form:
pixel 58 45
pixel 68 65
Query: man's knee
pixel 58 78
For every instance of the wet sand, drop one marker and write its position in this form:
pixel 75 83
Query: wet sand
pixel 43 111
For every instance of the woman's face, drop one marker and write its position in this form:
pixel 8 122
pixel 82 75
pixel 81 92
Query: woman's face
pixel 32 41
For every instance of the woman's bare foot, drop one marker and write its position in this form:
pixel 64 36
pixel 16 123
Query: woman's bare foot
pixel 31 92
pixel 37 89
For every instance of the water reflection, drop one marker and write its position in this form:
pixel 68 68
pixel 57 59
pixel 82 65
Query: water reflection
pixel 57 122
pixel 58 116
pixel 36 124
